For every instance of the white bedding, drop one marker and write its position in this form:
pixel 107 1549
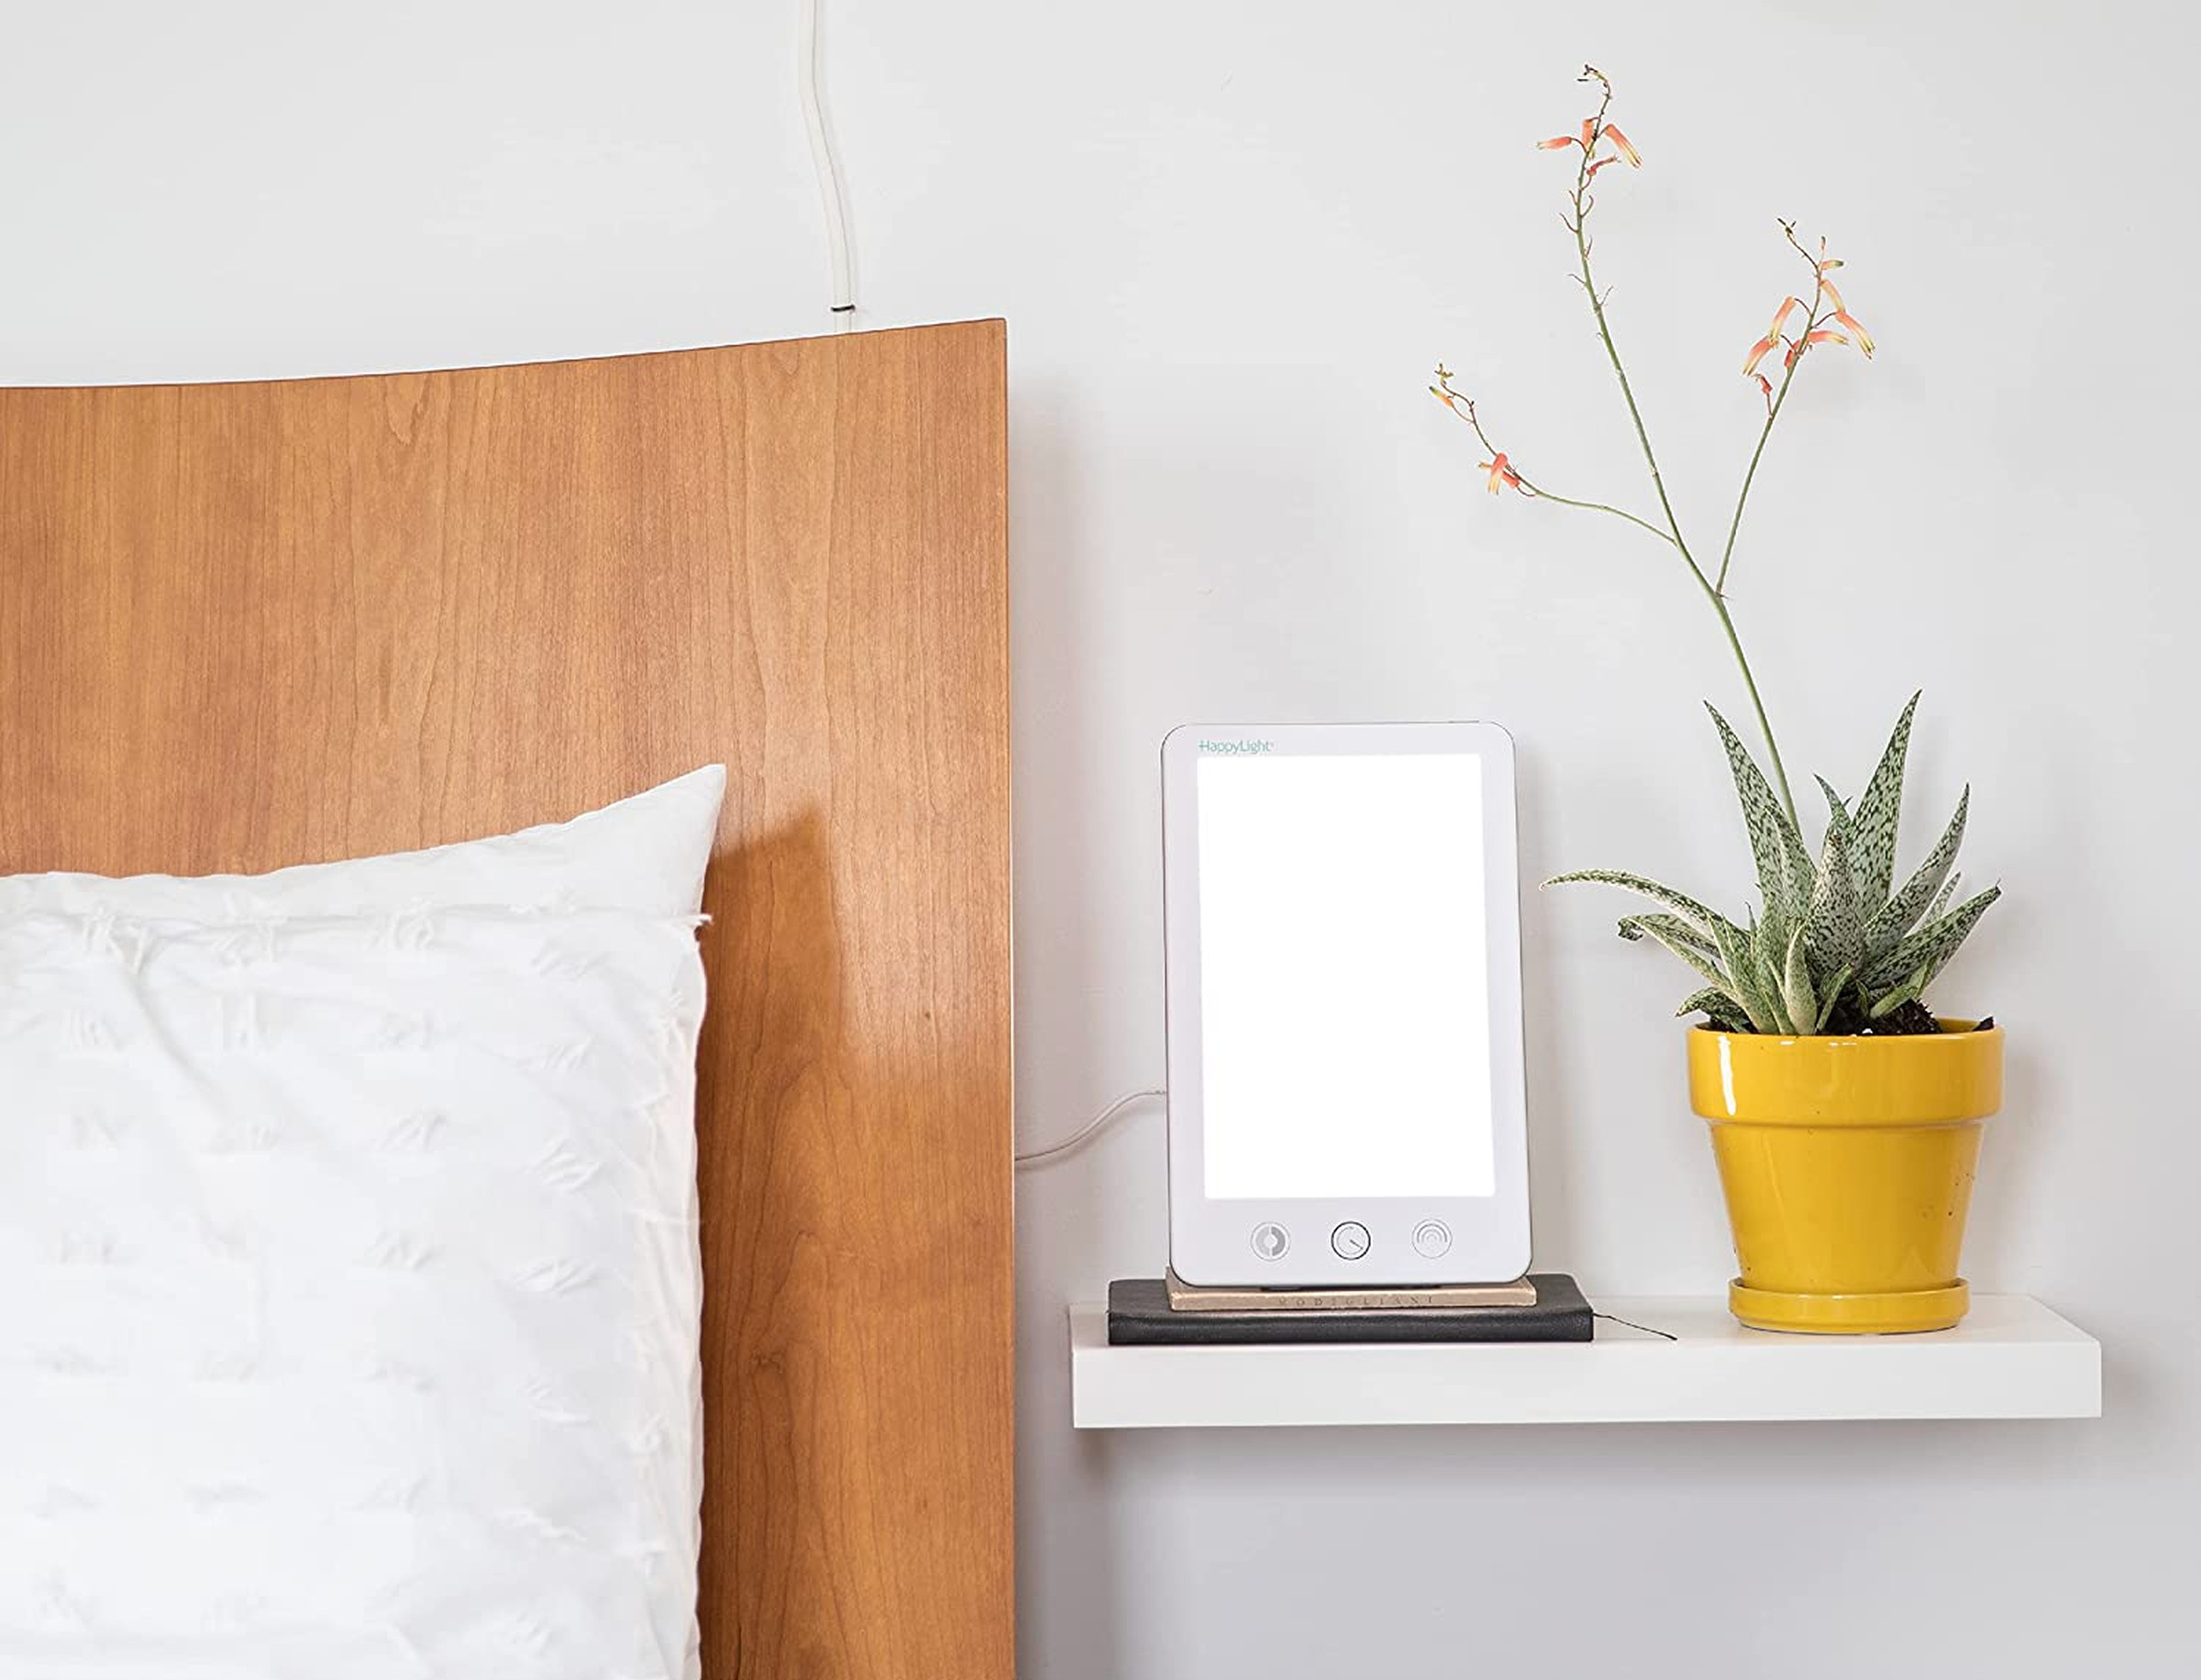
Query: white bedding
pixel 349 1282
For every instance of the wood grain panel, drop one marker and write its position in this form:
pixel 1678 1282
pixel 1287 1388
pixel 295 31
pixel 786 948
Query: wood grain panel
pixel 245 626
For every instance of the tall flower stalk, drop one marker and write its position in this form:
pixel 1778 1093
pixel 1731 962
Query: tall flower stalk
pixel 1825 320
pixel 1834 945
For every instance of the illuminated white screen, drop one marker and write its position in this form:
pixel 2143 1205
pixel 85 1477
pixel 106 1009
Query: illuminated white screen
pixel 1343 981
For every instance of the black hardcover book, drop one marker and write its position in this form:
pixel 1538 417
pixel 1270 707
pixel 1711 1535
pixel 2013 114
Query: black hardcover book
pixel 1139 1314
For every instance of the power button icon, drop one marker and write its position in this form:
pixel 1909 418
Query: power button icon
pixel 1270 1241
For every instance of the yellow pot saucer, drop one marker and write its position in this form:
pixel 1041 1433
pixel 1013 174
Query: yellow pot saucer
pixel 1887 1312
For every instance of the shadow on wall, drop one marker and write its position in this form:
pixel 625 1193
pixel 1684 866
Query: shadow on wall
pixel 1070 1598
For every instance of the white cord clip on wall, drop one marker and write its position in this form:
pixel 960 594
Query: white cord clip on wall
pixel 809 84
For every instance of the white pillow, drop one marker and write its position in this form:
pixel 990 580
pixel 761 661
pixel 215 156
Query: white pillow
pixel 644 853
pixel 349 1289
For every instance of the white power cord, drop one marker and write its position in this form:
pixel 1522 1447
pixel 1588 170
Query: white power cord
pixel 1032 1157
pixel 821 156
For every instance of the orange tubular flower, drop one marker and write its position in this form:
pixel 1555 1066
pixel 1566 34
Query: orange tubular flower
pixel 1759 351
pixel 1620 144
pixel 1557 142
pixel 1828 290
pixel 1826 335
pixel 1501 472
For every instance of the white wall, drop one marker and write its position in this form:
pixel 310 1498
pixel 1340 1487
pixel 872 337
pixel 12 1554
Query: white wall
pixel 1230 238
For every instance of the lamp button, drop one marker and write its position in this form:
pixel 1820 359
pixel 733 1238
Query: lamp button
pixel 1271 1240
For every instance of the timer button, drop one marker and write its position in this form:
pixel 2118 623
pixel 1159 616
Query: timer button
pixel 1350 1240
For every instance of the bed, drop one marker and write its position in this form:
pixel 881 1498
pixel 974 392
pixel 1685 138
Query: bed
pixel 244 626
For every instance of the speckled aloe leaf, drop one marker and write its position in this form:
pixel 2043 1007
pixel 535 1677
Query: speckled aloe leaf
pixel 1734 958
pixel 1707 919
pixel 1797 995
pixel 1774 929
pixel 1667 929
pixel 1936 964
pixel 1879 807
pixel 1932 946
pixel 1900 913
pixel 1723 1011
pixel 1740 961
pixel 1769 972
pixel 1945 897
pixel 1678 937
pixel 1882 1007
pixel 1835 933
pixel 1784 866
pixel 1832 997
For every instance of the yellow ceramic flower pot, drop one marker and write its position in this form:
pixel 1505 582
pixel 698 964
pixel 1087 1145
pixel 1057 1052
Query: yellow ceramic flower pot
pixel 1847 1165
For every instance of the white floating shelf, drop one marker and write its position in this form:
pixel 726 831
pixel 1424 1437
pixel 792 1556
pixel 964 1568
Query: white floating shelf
pixel 2012 1357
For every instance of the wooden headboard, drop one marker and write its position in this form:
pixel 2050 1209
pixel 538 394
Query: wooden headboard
pixel 250 624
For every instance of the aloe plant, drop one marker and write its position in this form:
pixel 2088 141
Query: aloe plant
pixel 1834 945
